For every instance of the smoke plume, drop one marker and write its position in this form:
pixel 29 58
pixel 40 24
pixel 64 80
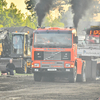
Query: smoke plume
pixel 79 9
pixel 42 8
pixel 67 18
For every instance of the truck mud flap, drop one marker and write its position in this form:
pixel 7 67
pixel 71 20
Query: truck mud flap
pixel 91 70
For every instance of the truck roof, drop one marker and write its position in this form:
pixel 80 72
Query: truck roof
pixel 56 28
pixel 53 29
pixel 19 33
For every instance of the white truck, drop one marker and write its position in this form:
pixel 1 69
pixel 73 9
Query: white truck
pixel 89 50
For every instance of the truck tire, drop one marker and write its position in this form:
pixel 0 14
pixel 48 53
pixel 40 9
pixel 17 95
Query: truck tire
pixel 73 75
pixel 37 77
pixel 82 77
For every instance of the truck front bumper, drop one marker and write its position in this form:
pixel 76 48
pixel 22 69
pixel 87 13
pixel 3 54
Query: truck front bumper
pixel 52 70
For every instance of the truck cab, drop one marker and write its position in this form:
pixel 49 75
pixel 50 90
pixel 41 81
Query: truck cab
pixel 54 52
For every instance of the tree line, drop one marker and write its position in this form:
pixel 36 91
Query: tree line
pixel 12 16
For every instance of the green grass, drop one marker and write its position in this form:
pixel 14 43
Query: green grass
pixel 23 74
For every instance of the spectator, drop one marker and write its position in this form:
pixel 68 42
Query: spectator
pixel 10 67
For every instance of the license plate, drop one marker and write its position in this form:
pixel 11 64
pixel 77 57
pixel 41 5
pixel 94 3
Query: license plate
pixel 51 69
pixel 67 70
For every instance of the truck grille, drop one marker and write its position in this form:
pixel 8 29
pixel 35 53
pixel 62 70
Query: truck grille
pixel 52 64
pixel 40 55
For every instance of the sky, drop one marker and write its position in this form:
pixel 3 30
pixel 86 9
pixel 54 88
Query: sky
pixel 20 5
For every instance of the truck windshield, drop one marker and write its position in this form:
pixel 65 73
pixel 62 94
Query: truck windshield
pixel 93 39
pixel 53 40
pixel 17 44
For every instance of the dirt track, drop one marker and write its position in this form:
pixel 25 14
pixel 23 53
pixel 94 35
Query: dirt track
pixel 24 88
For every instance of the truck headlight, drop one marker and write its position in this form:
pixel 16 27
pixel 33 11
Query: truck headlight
pixel 36 65
pixel 67 65
pixel 32 65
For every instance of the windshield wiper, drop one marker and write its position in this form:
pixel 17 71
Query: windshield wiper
pixel 39 45
pixel 64 46
pixel 42 45
pixel 51 46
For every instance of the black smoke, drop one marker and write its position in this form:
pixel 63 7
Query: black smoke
pixel 79 8
pixel 42 8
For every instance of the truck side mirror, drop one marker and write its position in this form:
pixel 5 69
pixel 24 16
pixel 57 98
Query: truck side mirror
pixel 76 39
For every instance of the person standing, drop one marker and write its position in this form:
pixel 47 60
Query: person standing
pixel 10 67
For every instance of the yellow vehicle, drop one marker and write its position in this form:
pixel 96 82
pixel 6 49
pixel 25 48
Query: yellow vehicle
pixel 21 49
pixel 18 47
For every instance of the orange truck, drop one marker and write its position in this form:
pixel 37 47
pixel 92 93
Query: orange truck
pixel 54 53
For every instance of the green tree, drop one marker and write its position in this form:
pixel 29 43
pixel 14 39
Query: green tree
pixel 3 5
pixel 50 22
pixel 12 17
pixel 30 4
pixel 15 15
pixel 30 21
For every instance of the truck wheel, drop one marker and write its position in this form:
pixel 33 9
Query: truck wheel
pixel 73 76
pixel 37 77
pixel 82 77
